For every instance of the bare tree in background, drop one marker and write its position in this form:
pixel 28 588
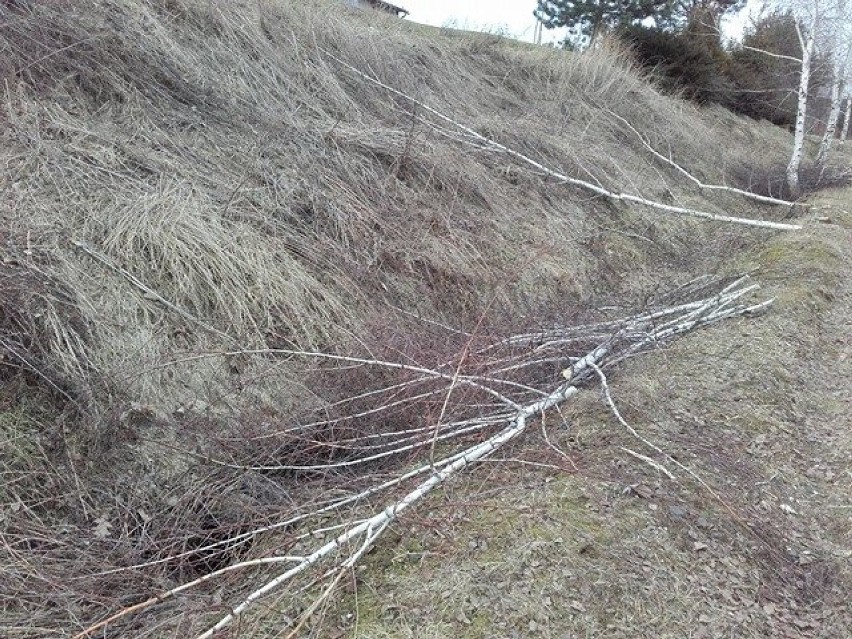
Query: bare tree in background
pixel 839 39
pixel 807 16
pixel 820 25
pixel 844 133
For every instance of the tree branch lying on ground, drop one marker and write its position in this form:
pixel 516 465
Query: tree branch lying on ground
pixel 499 423
pixel 701 185
pixel 493 145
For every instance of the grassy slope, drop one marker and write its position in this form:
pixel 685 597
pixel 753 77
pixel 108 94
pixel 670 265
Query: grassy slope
pixel 209 150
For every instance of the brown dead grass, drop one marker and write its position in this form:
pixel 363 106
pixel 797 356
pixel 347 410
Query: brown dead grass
pixel 208 150
pixel 188 177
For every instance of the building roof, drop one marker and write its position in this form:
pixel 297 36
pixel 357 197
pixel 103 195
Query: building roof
pixel 387 6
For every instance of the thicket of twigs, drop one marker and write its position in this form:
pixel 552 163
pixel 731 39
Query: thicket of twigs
pixel 213 207
pixel 320 489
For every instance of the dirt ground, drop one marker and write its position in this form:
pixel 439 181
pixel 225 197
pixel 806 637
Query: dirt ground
pixel 598 543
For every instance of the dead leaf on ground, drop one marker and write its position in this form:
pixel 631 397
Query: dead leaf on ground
pixel 102 528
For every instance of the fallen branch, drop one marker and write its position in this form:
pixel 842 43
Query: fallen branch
pixel 489 143
pixel 780 56
pixel 370 529
pixel 706 187
pixel 626 337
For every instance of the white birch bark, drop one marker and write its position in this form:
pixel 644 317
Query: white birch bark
pixel 839 45
pixel 844 133
pixel 689 176
pixel 845 44
pixel 833 114
pixel 807 40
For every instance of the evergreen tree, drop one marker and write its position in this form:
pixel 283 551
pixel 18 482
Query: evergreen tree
pixel 765 68
pixel 590 17
pixel 688 64
pixel 689 12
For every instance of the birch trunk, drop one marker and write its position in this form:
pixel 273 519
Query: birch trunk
pixel 844 133
pixel 799 138
pixel 833 114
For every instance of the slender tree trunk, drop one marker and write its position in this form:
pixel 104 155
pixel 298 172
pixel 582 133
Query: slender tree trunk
pixel 844 133
pixel 799 137
pixel 833 114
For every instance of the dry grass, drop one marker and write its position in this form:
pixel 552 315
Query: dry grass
pixel 208 150
pixel 190 177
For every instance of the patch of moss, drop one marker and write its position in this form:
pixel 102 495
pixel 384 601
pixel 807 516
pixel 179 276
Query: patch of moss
pixel 530 547
pixel 806 270
pixel 799 256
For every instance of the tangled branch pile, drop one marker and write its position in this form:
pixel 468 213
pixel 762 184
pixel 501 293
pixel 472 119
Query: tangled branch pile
pixel 509 388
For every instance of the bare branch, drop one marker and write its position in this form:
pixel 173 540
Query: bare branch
pixel 488 143
pixel 771 54
pixel 692 178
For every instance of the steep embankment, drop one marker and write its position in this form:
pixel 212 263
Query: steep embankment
pixel 195 190
pixel 191 169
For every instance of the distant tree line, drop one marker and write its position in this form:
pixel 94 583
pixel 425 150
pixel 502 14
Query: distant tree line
pixel 680 42
pixel 789 62
pixel 588 19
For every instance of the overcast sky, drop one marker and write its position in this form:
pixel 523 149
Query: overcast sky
pixel 513 17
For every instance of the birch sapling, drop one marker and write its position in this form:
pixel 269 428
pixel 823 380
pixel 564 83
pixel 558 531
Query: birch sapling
pixel 807 38
pixel 844 133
